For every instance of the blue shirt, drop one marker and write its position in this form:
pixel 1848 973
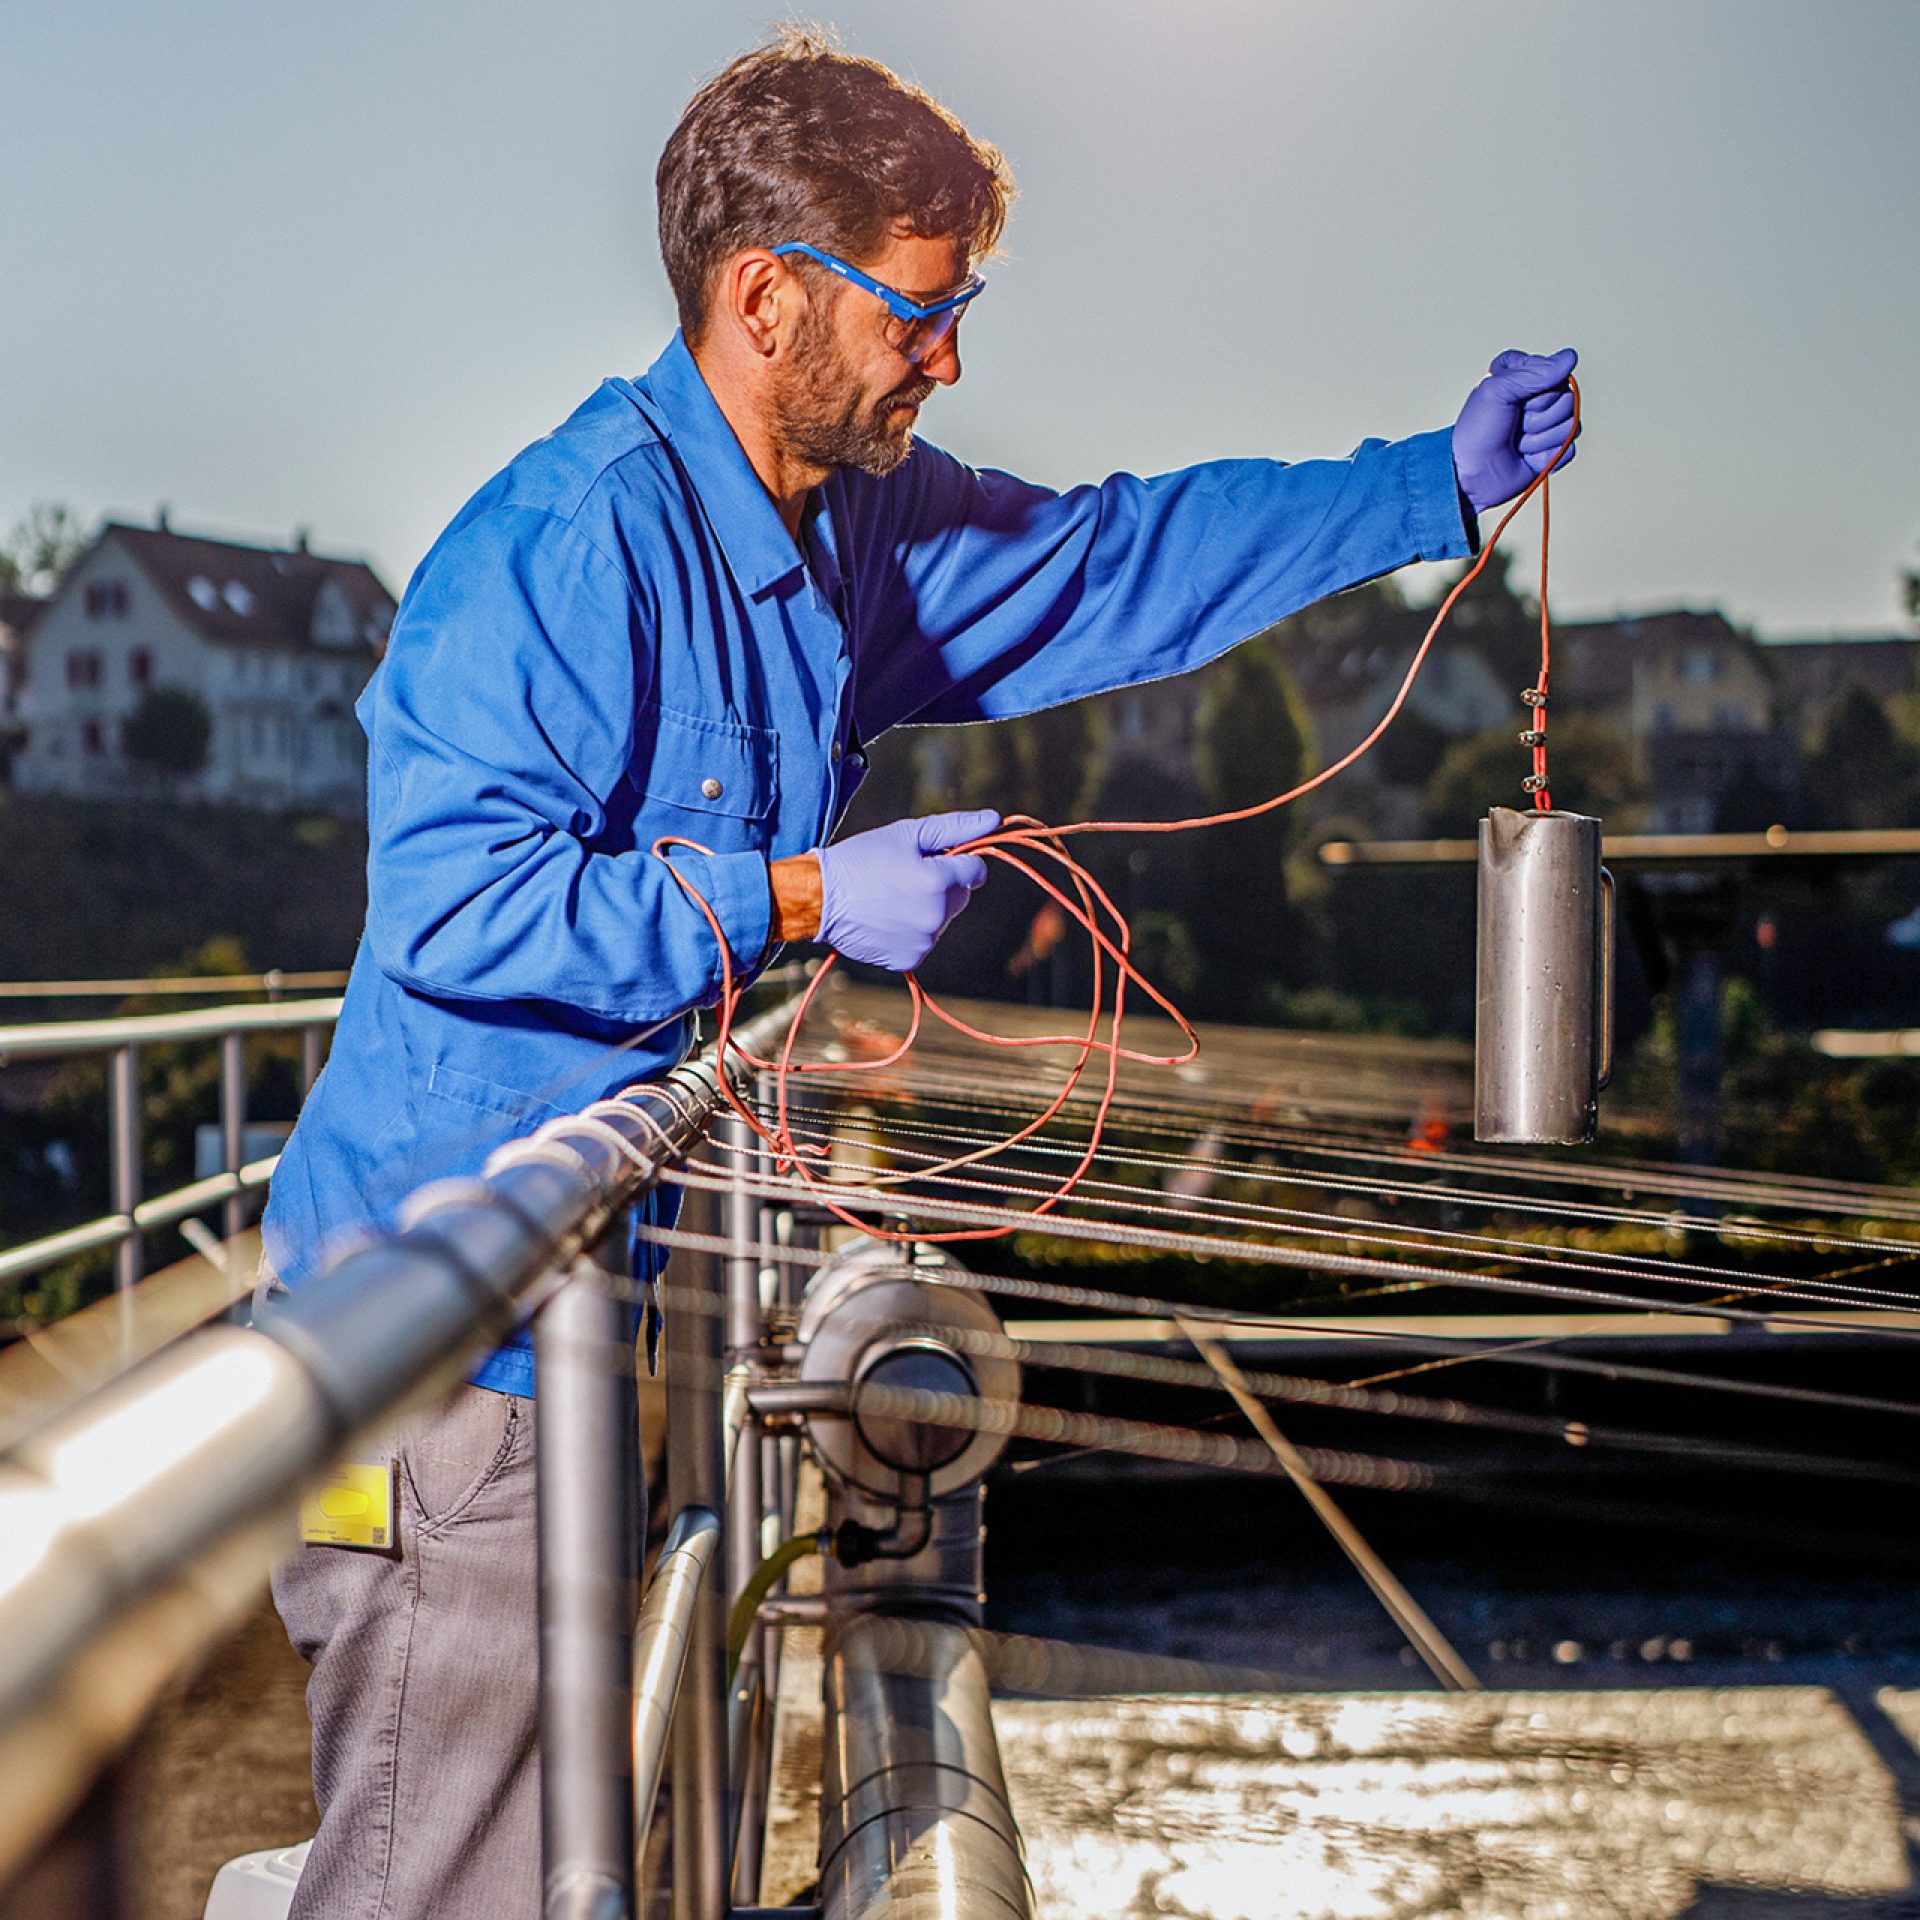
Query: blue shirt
pixel 617 639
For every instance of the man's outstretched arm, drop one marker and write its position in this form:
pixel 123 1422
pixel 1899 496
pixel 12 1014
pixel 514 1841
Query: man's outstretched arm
pixel 1006 597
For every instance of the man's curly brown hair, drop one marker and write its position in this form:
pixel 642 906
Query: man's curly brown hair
pixel 799 140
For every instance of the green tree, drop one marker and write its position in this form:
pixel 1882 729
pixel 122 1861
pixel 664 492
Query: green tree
pixel 1591 766
pixel 1863 772
pixel 1251 742
pixel 1041 763
pixel 992 768
pixel 1498 622
pixel 169 732
pixel 44 542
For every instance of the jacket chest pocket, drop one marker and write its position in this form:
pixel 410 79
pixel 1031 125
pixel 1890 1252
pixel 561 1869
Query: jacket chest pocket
pixel 694 771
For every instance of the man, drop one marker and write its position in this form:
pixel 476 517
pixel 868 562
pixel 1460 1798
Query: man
pixel 683 613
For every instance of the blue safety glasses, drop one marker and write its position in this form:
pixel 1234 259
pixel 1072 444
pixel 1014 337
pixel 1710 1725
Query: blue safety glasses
pixel 911 329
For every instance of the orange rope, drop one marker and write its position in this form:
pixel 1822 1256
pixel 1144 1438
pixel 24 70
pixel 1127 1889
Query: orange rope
pixel 1087 905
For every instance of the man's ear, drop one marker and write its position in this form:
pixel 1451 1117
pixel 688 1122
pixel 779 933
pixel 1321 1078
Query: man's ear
pixel 759 298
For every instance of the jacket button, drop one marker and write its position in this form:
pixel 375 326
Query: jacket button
pixel 836 750
pixel 712 789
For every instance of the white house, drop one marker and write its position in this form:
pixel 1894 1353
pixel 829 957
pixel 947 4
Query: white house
pixel 275 643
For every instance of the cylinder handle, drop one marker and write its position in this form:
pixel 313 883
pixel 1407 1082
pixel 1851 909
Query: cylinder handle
pixel 1609 926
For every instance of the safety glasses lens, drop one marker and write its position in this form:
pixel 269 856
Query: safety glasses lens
pixel 919 338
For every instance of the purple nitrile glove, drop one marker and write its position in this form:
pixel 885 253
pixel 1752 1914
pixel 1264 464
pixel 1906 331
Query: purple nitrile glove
pixel 886 896
pixel 1512 425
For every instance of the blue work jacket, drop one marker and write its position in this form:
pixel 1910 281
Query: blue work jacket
pixel 618 639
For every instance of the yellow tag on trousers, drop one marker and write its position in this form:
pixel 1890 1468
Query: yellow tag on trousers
pixel 353 1509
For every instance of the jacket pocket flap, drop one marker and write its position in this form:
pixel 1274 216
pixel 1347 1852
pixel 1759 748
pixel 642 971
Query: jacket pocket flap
pixel 706 766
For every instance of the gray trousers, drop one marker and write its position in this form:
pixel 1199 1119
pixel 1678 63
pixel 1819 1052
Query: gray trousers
pixel 425 1689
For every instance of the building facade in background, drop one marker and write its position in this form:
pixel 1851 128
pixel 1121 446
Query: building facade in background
pixel 1817 673
pixel 1716 722
pixel 273 644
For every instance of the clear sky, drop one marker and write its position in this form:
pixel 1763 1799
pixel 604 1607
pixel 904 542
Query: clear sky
pixel 330 265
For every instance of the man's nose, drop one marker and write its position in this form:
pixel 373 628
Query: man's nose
pixel 942 362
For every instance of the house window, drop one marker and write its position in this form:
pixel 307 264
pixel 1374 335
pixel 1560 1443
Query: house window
pixel 1700 665
pixel 83 669
pixel 106 599
pixel 140 667
pixel 91 737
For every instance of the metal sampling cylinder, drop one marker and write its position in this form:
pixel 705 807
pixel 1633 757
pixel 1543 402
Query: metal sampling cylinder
pixel 1543 1018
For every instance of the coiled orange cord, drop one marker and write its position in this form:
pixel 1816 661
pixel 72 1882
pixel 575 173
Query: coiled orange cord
pixel 1023 843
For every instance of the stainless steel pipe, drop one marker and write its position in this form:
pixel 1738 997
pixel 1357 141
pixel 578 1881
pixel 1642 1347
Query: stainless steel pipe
pixel 1543 1017
pixel 592 1503
pixel 135 1529
pixel 660 1650
pixel 914 1818
pixel 697 1477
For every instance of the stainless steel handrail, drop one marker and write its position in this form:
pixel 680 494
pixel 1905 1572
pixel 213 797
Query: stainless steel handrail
pixel 163 1210
pixel 133 1214
pixel 136 1527
pixel 48 1039
pixel 182 986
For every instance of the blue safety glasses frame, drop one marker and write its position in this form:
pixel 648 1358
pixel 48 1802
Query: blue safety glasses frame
pixel 913 330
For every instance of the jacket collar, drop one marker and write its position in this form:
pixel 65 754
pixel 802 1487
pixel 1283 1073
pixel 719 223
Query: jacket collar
pixel 760 552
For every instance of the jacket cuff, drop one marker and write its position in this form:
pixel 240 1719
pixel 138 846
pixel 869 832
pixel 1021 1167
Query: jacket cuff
pixel 739 889
pixel 1438 519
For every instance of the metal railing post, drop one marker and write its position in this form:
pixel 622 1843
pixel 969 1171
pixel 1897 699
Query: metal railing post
pixel 590 1496
pixel 748 1718
pixel 123 1137
pixel 233 1121
pixel 312 1041
pixel 741 1213
pixel 696 1477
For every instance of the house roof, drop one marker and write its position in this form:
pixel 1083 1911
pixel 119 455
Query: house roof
pixel 1593 660
pixel 258 595
pixel 1885 664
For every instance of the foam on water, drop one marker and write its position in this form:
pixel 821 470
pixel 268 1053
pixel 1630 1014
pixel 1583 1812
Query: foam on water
pixel 1492 1806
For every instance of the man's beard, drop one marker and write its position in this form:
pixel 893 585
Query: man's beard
pixel 821 419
